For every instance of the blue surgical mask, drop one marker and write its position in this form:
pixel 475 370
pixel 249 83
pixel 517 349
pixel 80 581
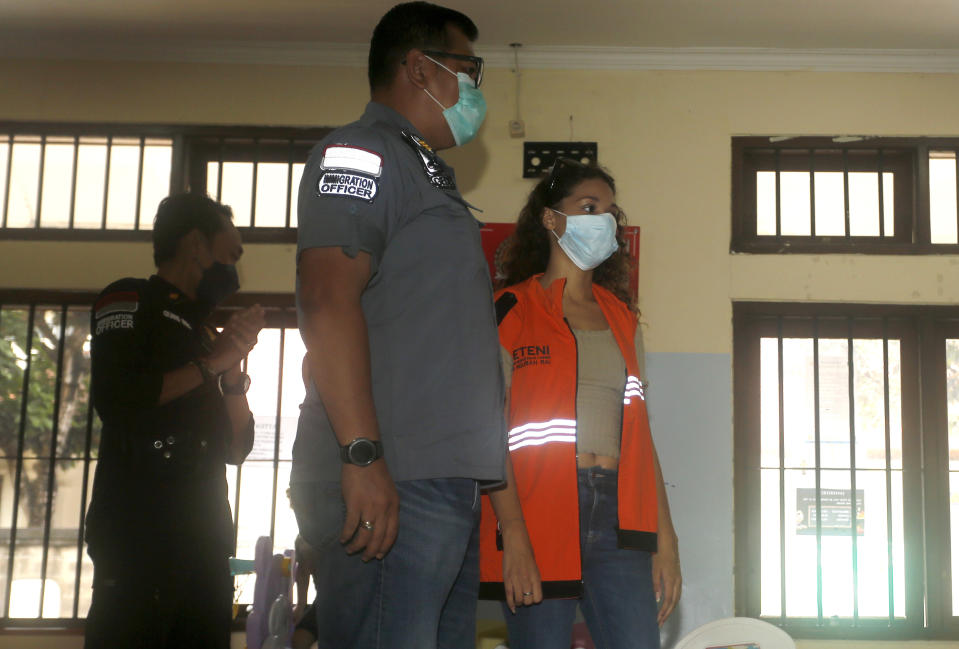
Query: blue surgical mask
pixel 589 239
pixel 465 116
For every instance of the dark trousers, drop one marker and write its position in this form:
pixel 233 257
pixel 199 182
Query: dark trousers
pixel 187 606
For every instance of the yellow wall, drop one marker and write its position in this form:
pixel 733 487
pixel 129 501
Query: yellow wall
pixel 664 135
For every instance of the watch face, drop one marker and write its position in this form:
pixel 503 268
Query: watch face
pixel 362 452
pixel 240 387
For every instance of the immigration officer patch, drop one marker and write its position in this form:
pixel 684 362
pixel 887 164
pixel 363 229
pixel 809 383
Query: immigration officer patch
pixel 339 183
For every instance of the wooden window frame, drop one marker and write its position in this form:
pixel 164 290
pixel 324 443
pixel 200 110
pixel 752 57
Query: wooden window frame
pixel 193 147
pixel 280 313
pixel 908 158
pixel 926 524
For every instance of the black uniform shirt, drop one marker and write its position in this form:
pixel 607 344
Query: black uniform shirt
pixel 160 489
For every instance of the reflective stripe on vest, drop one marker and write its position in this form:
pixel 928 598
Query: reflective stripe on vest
pixel 545 432
pixel 634 388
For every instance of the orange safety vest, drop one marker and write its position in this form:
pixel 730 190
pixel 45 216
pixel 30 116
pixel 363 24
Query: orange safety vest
pixel 542 438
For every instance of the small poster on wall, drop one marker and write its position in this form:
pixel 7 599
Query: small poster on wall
pixel 837 517
pixel 495 235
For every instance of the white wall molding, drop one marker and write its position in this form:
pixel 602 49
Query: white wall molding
pixel 530 57
pixel 730 58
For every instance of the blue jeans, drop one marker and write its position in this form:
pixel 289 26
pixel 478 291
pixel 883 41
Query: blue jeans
pixel 618 602
pixel 422 595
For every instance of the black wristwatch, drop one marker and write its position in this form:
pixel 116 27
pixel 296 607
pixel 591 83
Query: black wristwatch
pixel 361 452
pixel 238 388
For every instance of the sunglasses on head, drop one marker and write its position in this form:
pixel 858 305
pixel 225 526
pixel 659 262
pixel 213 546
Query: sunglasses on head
pixel 565 164
pixel 558 167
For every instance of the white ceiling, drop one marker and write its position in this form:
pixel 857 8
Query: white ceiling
pixel 876 24
pixel 31 26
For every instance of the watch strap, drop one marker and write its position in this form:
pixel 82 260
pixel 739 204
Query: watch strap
pixel 209 376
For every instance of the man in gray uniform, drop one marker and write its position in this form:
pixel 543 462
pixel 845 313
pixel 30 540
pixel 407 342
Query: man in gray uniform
pixel 404 413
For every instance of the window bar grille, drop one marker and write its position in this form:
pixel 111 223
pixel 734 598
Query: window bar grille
pixel 179 176
pixel 818 471
pixel 236 506
pixel 6 185
pixel 276 430
pixel 52 468
pixel 236 489
pixel 256 168
pixel 845 191
pixel 219 172
pixel 289 182
pixel 882 211
pixel 852 471
pixel 956 153
pixel 782 465
pixel 888 435
pixel 24 394
pixel 73 180
pixel 779 229
pixel 812 196
pixel 43 159
pixel 136 207
pixel 106 183
pixel 87 448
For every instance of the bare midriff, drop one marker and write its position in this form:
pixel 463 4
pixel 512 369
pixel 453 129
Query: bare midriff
pixel 587 460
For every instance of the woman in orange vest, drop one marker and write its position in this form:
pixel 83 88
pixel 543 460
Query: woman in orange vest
pixel 583 517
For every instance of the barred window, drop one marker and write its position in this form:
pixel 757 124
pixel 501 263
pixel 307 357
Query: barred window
pixel 97 182
pixel 104 181
pixel 259 177
pixel 49 436
pixel 844 476
pixel 820 195
pixel 49 447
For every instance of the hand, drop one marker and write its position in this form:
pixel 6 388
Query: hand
pixel 667 576
pixel 370 497
pixel 520 574
pixel 237 339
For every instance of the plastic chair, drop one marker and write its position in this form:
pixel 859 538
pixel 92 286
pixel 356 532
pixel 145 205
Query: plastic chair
pixel 270 623
pixel 737 633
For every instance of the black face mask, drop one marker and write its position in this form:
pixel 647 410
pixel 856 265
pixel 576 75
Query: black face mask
pixel 218 282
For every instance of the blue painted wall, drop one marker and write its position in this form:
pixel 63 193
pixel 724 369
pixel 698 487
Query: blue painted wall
pixel 690 405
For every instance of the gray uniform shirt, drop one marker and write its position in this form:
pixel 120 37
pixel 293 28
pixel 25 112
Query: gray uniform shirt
pixel 375 186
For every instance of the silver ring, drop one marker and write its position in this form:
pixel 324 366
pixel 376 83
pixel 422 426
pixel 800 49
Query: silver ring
pixel 367 525
pixel 527 594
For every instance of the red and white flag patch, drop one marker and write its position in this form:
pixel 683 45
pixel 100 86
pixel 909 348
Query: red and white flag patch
pixel 352 158
pixel 119 302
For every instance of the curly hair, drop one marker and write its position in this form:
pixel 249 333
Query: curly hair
pixel 527 252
